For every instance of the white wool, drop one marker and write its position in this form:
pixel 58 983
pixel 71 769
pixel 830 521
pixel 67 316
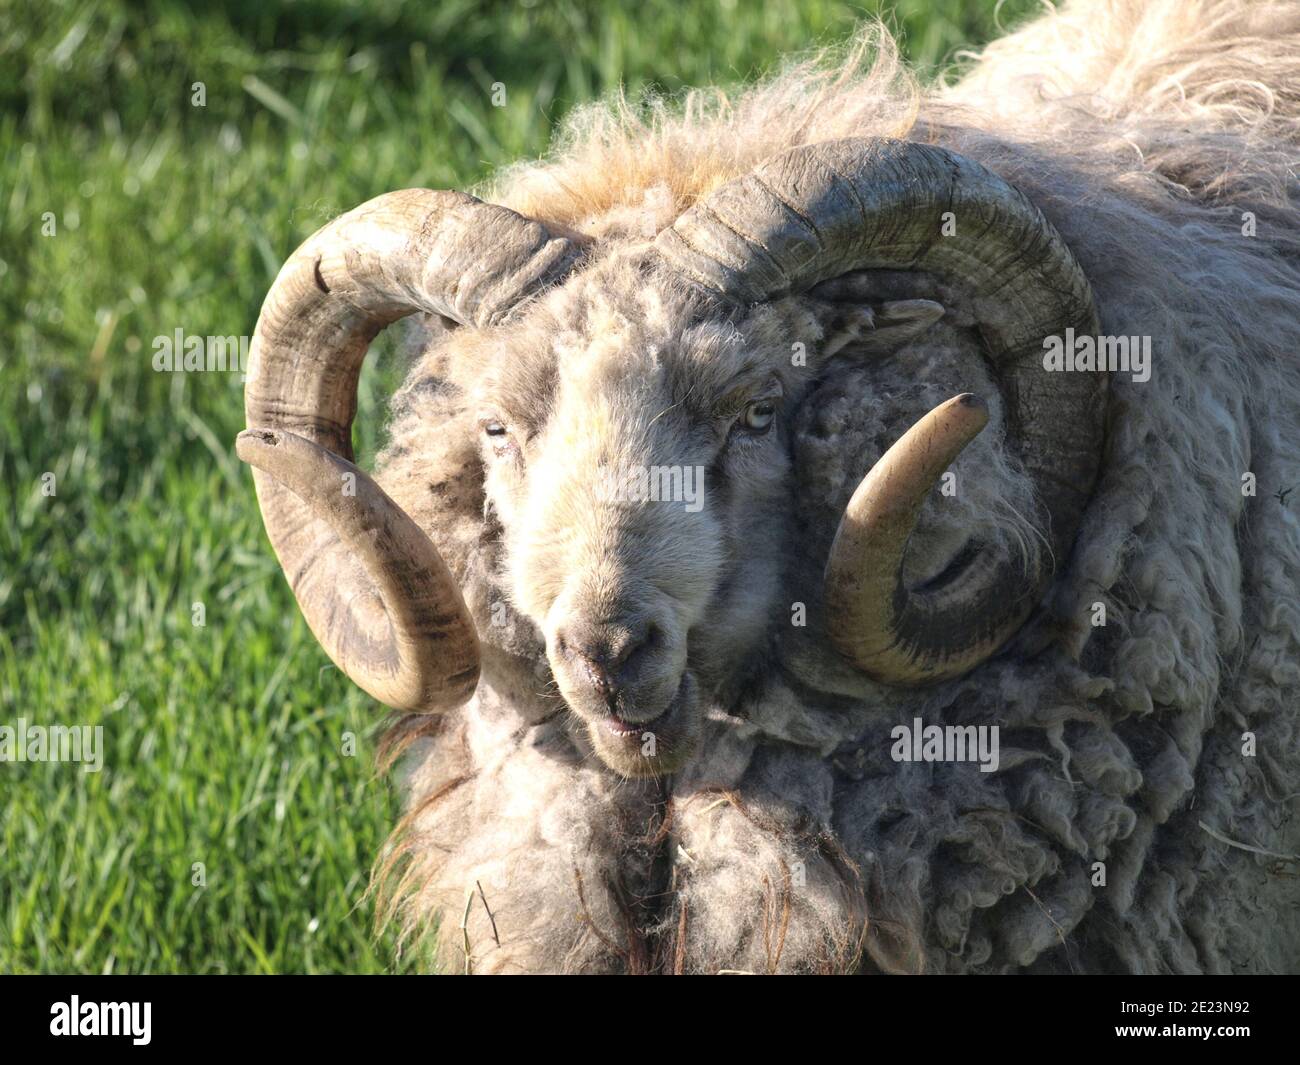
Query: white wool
pixel 1145 130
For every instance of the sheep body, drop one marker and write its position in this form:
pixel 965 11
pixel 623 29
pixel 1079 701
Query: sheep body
pixel 1126 829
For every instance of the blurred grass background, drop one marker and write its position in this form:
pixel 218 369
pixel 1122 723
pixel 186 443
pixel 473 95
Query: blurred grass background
pixel 225 742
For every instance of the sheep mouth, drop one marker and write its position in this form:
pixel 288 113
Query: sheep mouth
pixel 653 747
pixel 623 729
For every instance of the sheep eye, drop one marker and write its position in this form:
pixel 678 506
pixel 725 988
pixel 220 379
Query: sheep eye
pixel 498 436
pixel 759 415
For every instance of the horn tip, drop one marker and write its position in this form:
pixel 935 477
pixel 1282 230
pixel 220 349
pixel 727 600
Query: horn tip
pixel 252 443
pixel 971 411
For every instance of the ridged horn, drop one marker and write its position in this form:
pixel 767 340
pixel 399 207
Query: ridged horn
pixel 369 582
pixel 822 210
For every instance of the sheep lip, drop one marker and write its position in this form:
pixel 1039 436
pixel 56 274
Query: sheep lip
pixel 624 729
pixel 656 746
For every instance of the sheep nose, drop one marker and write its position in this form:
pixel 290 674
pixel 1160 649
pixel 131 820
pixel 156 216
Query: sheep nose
pixel 605 656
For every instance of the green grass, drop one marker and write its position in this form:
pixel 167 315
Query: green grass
pixel 224 743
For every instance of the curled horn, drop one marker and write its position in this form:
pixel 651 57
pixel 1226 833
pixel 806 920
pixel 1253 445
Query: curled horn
pixel 822 210
pixel 370 583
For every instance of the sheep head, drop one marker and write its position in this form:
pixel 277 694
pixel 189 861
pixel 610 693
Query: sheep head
pixel 634 410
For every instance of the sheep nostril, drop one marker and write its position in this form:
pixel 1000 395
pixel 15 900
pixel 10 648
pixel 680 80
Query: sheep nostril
pixel 597 674
pixel 605 659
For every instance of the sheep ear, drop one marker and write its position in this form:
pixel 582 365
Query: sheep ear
pixel 879 329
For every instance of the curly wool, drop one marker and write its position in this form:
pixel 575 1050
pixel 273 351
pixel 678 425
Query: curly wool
pixel 1153 135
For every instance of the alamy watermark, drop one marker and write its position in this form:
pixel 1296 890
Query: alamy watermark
pixel 53 743
pixel 77 1018
pixel 179 353
pixel 1085 352
pixel 919 742
pixel 653 484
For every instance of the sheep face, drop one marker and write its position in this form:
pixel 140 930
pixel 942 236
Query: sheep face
pixel 635 451
pixel 633 406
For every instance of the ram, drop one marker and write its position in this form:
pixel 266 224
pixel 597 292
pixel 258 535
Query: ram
pixel 641 735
